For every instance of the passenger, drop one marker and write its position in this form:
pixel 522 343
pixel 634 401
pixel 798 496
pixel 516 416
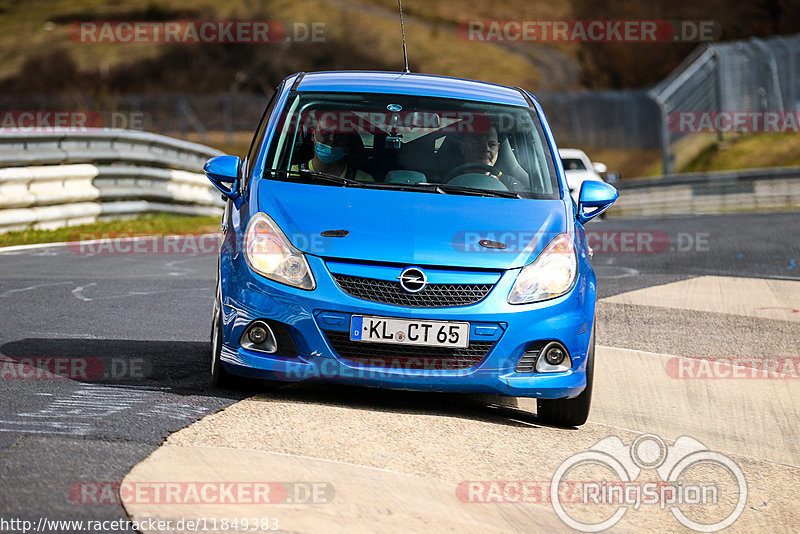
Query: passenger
pixel 330 149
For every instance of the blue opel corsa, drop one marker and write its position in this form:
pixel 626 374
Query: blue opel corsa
pixel 407 231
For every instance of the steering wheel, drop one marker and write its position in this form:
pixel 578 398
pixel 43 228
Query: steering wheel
pixel 470 165
pixel 511 183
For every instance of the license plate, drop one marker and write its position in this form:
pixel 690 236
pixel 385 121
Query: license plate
pixel 409 332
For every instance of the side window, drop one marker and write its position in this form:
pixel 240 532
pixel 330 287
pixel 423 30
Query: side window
pixel 258 139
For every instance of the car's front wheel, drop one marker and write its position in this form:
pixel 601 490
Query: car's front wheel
pixel 219 376
pixel 570 412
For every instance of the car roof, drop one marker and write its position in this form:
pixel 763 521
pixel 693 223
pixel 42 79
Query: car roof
pixel 571 153
pixel 410 84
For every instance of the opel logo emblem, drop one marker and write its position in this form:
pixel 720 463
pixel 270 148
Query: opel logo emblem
pixel 413 280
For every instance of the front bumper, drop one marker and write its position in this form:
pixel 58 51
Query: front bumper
pixel 308 315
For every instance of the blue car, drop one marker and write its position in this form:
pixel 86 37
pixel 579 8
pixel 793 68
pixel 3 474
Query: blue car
pixel 407 231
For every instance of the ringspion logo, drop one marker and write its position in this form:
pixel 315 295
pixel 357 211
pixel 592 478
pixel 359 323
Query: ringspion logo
pixel 704 490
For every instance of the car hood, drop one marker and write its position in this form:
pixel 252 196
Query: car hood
pixel 412 228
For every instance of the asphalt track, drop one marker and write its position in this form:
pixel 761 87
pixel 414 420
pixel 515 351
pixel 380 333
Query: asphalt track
pixel 139 324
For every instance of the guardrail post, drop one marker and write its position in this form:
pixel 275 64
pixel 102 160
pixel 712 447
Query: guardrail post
pixel 718 88
pixel 667 159
pixel 227 117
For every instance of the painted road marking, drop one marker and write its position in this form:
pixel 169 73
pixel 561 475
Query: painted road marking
pixel 750 297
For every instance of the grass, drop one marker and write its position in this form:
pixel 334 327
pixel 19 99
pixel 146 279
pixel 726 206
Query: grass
pixel 160 223
pixel 431 49
pixel 705 153
pixel 238 144
pixel 748 152
pixel 28 26
pixel 630 163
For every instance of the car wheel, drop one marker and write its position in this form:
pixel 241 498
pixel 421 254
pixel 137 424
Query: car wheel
pixel 219 376
pixel 570 412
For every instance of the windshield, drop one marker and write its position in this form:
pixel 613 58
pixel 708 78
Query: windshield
pixel 413 143
pixel 573 164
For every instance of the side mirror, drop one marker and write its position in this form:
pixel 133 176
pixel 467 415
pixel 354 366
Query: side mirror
pixel 599 168
pixel 223 170
pixel 595 194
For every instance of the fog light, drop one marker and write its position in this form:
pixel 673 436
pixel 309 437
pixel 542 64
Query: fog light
pixel 554 359
pixel 554 355
pixel 257 335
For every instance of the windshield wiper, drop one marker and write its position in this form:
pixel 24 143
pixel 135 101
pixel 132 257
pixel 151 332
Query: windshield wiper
pixel 420 187
pixel 322 176
pixel 442 189
pixel 454 188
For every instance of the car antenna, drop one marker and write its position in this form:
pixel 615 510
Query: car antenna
pixel 403 33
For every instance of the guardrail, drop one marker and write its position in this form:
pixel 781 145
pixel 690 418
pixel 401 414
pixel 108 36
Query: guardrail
pixel 59 178
pixel 709 193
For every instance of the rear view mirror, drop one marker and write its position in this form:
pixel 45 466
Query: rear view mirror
pixel 223 170
pixel 599 168
pixel 423 120
pixel 595 194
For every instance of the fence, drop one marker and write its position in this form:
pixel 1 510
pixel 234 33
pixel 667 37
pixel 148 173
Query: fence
pixel 56 178
pixel 741 76
pixel 619 119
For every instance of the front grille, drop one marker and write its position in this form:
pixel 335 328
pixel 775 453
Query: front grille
pixel 433 296
pixel 407 356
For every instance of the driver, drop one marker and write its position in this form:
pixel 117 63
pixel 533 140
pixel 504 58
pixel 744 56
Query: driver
pixel 481 147
pixel 330 149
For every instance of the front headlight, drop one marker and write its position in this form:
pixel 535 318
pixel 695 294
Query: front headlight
pixel 550 275
pixel 269 253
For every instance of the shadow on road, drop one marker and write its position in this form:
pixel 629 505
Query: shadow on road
pixel 181 366
pixel 486 408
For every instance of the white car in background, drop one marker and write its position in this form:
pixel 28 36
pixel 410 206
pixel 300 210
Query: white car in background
pixel 579 168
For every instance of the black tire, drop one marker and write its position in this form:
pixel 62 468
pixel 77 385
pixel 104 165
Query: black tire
pixel 570 412
pixel 219 376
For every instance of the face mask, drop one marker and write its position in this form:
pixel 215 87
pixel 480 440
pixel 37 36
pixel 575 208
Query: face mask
pixel 327 153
